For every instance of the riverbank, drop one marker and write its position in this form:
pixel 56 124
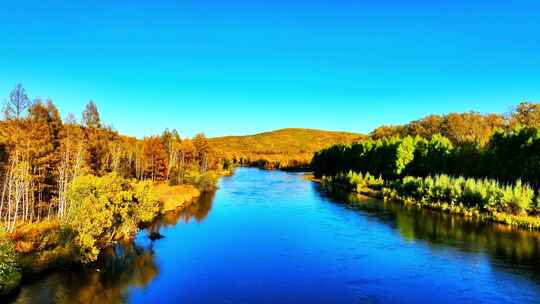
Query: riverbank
pixel 522 220
pixel 175 197
pixel 39 247
pixel 400 191
pixel 487 263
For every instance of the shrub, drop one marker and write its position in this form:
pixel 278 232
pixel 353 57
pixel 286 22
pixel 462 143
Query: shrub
pixel 10 274
pixel 411 186
pixel 487 194
pixel 522 197
pixel 356 182
pixel 207 182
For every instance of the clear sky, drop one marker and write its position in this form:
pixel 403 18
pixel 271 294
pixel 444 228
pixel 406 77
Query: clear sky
pixel 240 67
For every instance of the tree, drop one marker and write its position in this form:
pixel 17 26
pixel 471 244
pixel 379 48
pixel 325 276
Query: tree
pixel 404 154
pixel 154 159
pixel 387 131
pixel 186 157
pixel 17 196
pixel 425 127
pixel 17 103
pixel 72 155
pixel 470 127
pixel 202 148
pixel 90 116
pixel 171 140
pixel 107 208
pixel 70 119
pixel 3 155
pixel 95 138
pixel 526 114
pixel 43 141
pixel 14 107
pixel 515 155
pixel 431 156
pixel 3 150
pixel 54 122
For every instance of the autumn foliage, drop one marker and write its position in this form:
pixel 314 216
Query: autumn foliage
pixel 91 183
pixel 41 154
pixel 281 149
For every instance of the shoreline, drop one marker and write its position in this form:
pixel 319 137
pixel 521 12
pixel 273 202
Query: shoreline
pixel 390 195
pixel 36 262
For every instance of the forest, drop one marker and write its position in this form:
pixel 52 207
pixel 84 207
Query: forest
pixel 69 188
pixel 481 163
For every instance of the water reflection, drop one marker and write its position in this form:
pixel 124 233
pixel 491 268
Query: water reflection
pixel 197 211
pixel 508 247
pixel 119 268
pixel 274 236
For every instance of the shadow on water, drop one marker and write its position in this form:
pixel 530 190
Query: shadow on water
pixel 507 247
pixel 197 211
pixel 435 256
pixel 118 269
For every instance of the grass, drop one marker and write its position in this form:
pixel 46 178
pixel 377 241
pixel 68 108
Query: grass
pixel 175 197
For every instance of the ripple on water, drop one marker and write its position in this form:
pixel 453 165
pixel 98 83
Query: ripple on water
pixel 274 237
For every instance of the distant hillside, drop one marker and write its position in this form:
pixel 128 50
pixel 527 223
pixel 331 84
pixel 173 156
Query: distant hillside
pixel 282 148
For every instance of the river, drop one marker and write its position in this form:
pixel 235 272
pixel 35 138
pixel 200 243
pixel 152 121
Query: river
pixel 276 237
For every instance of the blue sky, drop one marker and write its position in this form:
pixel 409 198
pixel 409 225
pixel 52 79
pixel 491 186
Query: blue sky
pixel 240 67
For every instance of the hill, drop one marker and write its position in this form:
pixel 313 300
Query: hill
pixel 284 148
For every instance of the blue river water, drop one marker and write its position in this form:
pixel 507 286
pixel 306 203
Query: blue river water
pixel 276 237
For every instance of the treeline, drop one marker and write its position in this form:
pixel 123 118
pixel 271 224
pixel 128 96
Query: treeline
pixel 41 154
pixel 460 128
pixel 271 160
pixel 509 156
pixel 510 153
pixel 497 175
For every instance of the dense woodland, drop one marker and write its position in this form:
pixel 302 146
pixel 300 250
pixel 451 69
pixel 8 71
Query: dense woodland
pixel 472 159
pixel 69 189
pixel 281 149
pixel 469 144
pixel 41 154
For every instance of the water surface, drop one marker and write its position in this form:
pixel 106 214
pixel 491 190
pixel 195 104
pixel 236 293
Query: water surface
pixel 275 237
